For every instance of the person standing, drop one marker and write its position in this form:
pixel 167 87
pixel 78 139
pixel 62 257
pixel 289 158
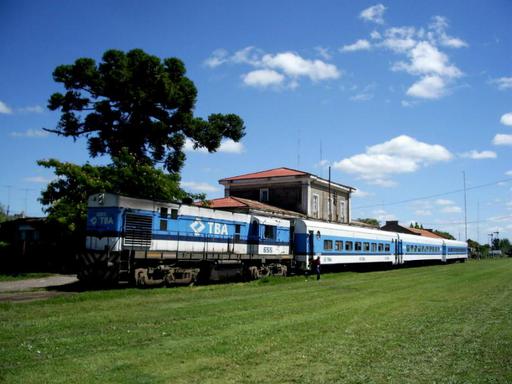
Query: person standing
pixel 316 266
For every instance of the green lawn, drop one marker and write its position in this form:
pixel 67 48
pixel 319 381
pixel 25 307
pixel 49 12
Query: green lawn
pixel 442 324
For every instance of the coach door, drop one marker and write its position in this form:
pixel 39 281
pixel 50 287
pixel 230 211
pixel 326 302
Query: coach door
pixel 311 244
pixel 254 237
pixel 399 255
pixel 443 255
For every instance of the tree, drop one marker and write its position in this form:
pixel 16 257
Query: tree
pixel 370 221
pixel 136 102
pixel 3 214
pixel 66 196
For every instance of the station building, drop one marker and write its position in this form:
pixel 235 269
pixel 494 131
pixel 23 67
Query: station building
pixel 291 191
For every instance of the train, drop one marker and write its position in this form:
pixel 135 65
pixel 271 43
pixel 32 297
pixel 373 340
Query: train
pixel 148 242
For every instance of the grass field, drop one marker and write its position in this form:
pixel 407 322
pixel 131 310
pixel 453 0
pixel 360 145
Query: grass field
pixel 442 324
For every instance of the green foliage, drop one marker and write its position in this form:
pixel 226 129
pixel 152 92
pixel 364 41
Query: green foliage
pixel 3 214
pixel 444 234
pixel 370 221
pixel 136 101
pixel 66 196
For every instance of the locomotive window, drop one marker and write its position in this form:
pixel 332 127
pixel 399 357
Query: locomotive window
pixel 163 213
pixel 374 247
pixel 386 248
pixel 328 245
pixel 270 232
pixel 174 214
pixel 366 247
pixel 163 225
pixel 380 247
pixel 358 246
pixel 348 245
pixel 339 245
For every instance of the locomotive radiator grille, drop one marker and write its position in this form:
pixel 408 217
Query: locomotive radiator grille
pixel 137 231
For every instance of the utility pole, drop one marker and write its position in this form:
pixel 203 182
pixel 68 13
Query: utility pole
pixel 329 200
pixel 9 187
pixel 465 209
pixel 478 221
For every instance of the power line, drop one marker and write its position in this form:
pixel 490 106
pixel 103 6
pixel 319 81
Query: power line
pixel 497 218
pixel 434 195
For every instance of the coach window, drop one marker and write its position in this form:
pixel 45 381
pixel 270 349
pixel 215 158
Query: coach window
pixel 348 245
pixel 366 247
pixel 174 214
pixel 339 245
pixel 358 246
pixel 386 248
pixel 374 247
pixel 270 232
pixel 328 245
pixel 380 247
pixel 163 213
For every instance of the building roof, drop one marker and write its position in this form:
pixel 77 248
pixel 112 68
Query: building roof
pixel 238 202
pixel 425 232
pixel 276 172
pixel 280 172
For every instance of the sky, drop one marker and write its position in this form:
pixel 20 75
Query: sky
pixel 403 100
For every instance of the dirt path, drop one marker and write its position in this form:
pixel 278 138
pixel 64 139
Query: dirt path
pixel 23 290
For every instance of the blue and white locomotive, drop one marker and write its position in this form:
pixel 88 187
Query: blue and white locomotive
pixel 152 242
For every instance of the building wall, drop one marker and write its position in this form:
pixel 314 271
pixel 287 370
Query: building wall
pixel 339 204
pixel 287 196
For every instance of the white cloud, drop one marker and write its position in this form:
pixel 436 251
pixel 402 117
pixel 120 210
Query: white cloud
pixel 4 108
pixel 360 193
pixel 429 87
pixel 294 65
pixel 226 146
pixel 374 14
pixel 375 35
pixel 451 209
pixel 438 26
pixel 278 70
pixel 30 133
pixel 231 146
pixel 426 59
pixel 502 139
pixel 509 173
pixel 506 119
pixel 359 45
pixel 218 57
pixel 444 202
pixel 199 187
pixel 423 212
pixel 382 215
pixel 263 78
pixel 38 179
pixel 399 39
pixel 323 52
pixel 366 94
pixel 503 83
pixel 31 109
pixel 476 155
pixel 402 154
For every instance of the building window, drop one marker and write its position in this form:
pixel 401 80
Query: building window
pixel 328 208
pixel 328 245
pixel 264 195
pixel 270 232
pixel 339 245
pixel 314 205
pixel 342 211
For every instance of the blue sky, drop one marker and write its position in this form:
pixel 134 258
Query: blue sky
pixel 398 97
